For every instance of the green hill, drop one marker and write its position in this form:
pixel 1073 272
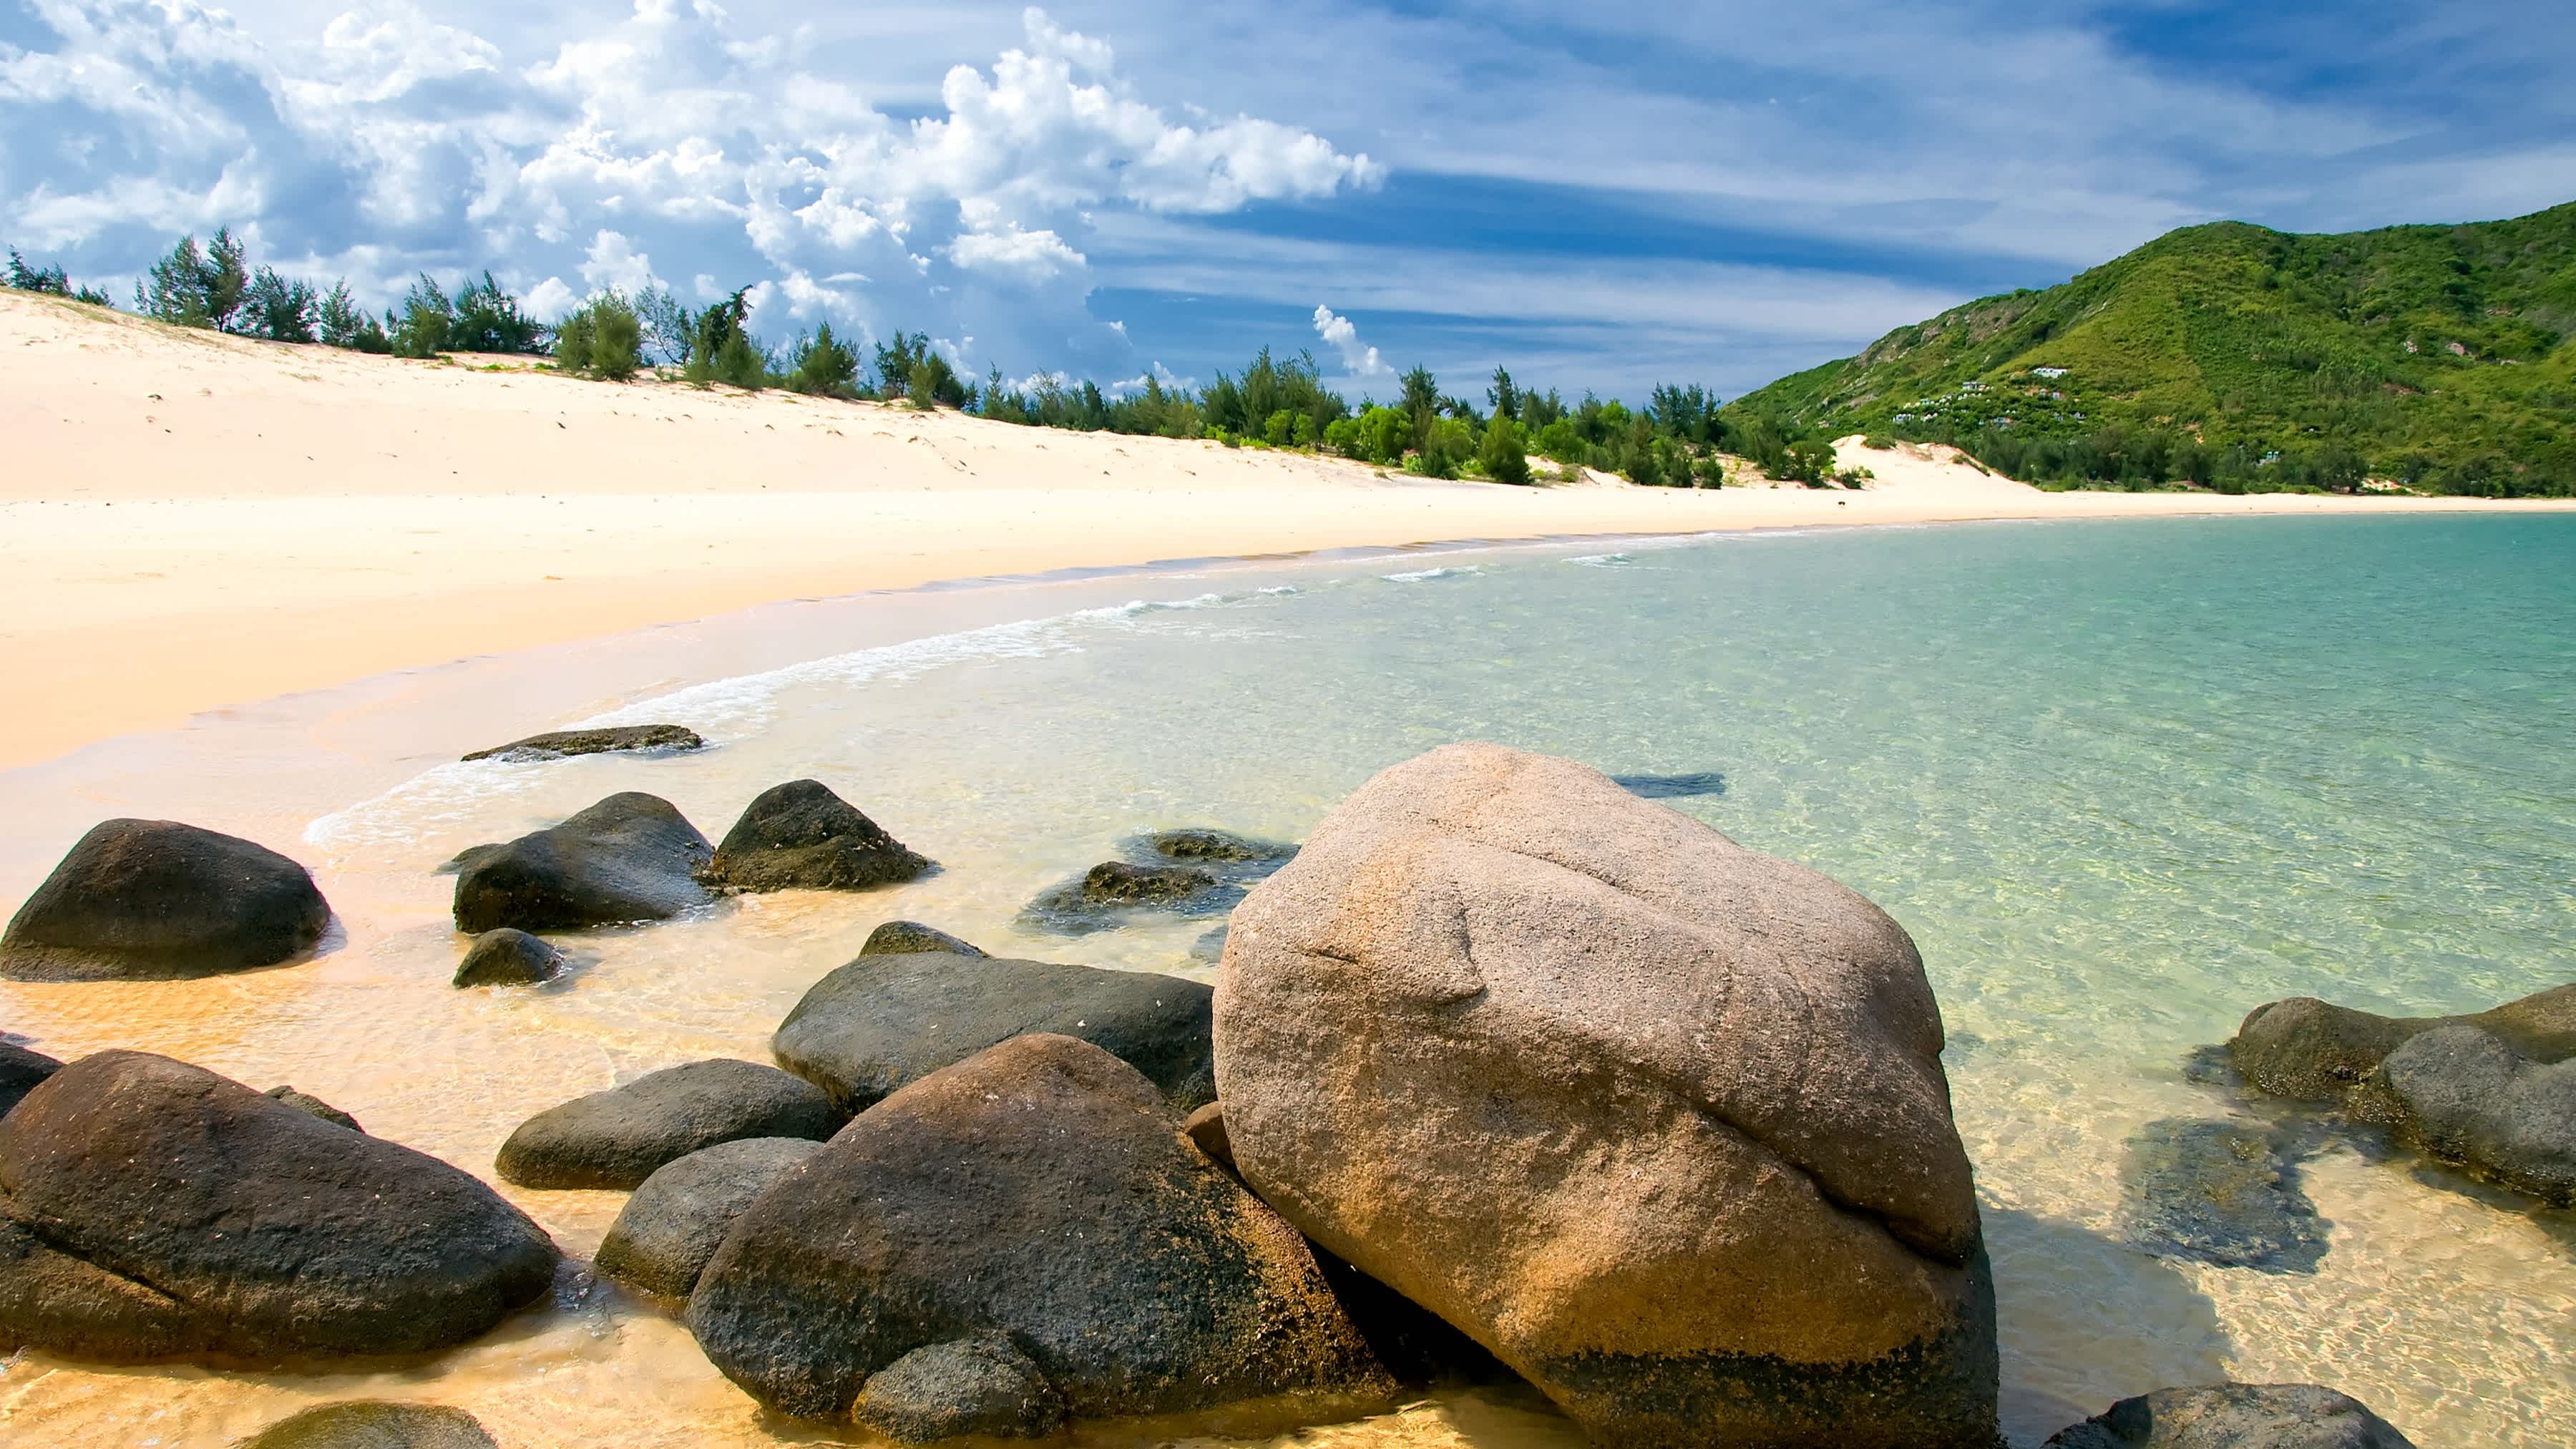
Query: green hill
pixel 2441 357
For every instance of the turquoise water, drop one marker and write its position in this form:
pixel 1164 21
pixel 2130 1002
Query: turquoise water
pixel 2123 781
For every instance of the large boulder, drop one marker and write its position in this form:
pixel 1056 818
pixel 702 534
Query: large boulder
pixel 2234 1416
pixel 2313 1050
pixel 1039 1190
pixel 912 938
pixel 619 1137
pixel 2464 1096
pixel 1657 1119
pixel 609 739
pixel 801 836
pixel 631 857
pixel 373 1424
pixel 156 900
pixel 20 1071
pixel 882 1021
pixel 673 1224
pixel 150 1209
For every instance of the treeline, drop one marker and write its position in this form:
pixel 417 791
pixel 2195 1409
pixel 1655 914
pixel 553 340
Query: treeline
pixel 2121 456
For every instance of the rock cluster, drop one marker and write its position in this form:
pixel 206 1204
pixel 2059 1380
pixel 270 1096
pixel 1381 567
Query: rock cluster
pixel 150 900
pixel 2493 1094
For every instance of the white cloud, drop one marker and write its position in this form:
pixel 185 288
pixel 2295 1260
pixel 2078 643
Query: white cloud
pixel 614 262
pixel 1344 337
pixel 551 298
pixel 1024 256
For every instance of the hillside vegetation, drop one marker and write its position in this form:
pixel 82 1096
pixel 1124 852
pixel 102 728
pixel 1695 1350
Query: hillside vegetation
pixel 2442 358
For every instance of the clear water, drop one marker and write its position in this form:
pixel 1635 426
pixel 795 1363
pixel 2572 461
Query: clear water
pixel 2123 781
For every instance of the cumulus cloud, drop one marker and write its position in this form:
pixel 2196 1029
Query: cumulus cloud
pixel 1344 337
pixel 737 153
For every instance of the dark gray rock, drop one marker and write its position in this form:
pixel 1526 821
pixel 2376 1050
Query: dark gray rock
pixel 373 1424
pixel 619 1137
pixel 1673 787
pixel 1116 883
pixel 801 836
pixel 508 956
pixel 1221 846
pixel 982 1385
pixel 154 900
pixel 463 858
pixel 668 1230
pixel 911 938
pixel 630 857
pixel 1115 893
pixel 2220 1193
pixel 2464 1096
pixel 156 1210
pixel 563 744
pixel 882 1021
pixel 2234 1416
pixel 2313 1050
pixel 20 1071
pixel 313 1106
pixel 1040 1190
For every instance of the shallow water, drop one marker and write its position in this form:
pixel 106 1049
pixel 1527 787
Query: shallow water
pixel 2123 781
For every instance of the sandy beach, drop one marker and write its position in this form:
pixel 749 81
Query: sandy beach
pixel 192 521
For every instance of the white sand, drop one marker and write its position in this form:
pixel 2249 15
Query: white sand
pixel 190 521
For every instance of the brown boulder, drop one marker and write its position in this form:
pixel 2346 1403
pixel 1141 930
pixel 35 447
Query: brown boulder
pixel 1659 1120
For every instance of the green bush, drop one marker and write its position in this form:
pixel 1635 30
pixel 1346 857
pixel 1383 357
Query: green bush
pixel 344 324
pixel 603 339
pixel 1447 445
pixel 1502 454
pixel 420 328
pixel 826 367
pixel 278 309
pixel 194 288
pixel 1279 428
pixel 488 319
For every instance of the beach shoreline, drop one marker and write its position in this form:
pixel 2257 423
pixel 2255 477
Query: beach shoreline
pixel 200 522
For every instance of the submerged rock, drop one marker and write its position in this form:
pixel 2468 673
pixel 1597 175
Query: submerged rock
pixel 508 956
pixel 981 1385
pixel 20 1071
pixel 1216 845
pixel 1657 1119
pixel 2234 1416
pixel 1191 872
pixel 673 1224
pixel 801 836
pixel 911 938
pixel 2313 1050
pixel 1673 787
pixel 154 900
pixel 882 1021
pixel 631 857
pixel 619 1137
pixel 373 1424
pixel 2493 1094
pixel 155 1210
pixel 2219 1193
pixel 1039 1190
pixel 2463 1096
pixel 611 739
pixel 313 1106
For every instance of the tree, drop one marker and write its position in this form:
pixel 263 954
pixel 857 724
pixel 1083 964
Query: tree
pixel 343 323
pixel 1809 461
pixel 1502 455
pixel 225 279
pixel 716 327
pixel 1421 401
pixel 669 326
pixel 1446 447
pixel 826 367
pixel 420 329
pixel 193 287
pixel 602 339
pixel 1505 397
pixel 278 309
pixel 488 319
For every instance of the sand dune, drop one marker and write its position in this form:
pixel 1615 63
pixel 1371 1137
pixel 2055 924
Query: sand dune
pixel 190 521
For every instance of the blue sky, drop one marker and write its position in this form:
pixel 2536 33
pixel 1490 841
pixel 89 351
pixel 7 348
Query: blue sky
pixel 1598 196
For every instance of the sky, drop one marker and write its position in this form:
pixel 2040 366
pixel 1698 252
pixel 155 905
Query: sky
pixel 1602 196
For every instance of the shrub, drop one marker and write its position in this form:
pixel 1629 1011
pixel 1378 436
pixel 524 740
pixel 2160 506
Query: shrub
pixel 740 361
pixel 1446 447
pixel 1502 454
pixel 1279 428
pixel 344 324
pixel 1806 461
pixel 420 329
pixel 277 309
pixel 603 339
pixel 488 319
pixel 195 288
pixel 826 367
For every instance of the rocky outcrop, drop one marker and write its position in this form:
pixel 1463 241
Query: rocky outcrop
pixel 508 956
pixel 882 1021
pixel 20 1071
pixel 801 836
pixel 1223 846
pixel 155 1210
pixel 1040 1191
pixel 911 938
pixel 2220 1193
pixel 611 739
pixel 668 1230
pixel 373 1424
pixel 2493 1094
pixel 619 1137
pixel 153 900
pixel 1192 872
pixel 1658 1120
pixel 313 1106
pixel 2234 1416
pixel 630 857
